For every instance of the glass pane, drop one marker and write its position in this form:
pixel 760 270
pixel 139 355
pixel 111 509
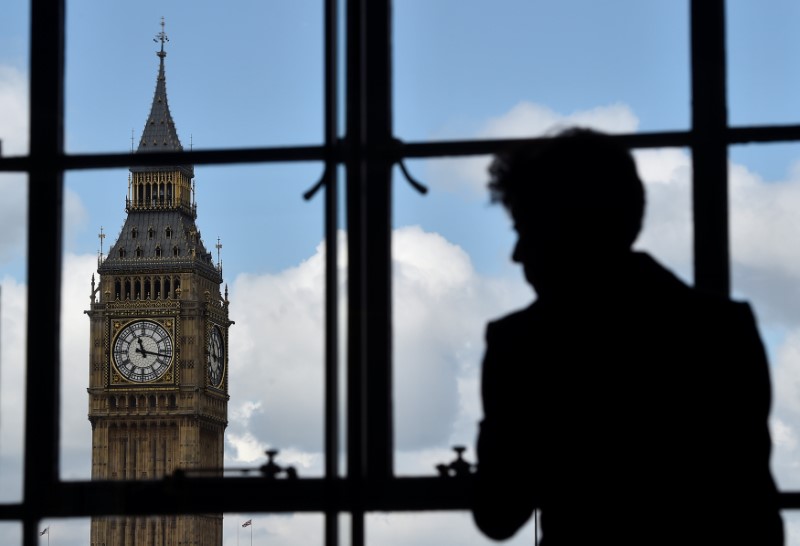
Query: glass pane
pixel 13 317
pixel 472 69
pixel 65 531
pixel 668 226
pixel 763 47
pixel 14 44
pixel 453 273
pixel 229 79
pixel 280 530
pixel 791 525
pixel 164 304
pixel 764 199
pixel 434 529
pixel 11 531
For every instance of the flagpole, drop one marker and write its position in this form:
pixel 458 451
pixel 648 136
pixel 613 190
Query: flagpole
pixel 251 534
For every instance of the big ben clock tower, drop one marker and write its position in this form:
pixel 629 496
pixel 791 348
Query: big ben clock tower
pixel 158 380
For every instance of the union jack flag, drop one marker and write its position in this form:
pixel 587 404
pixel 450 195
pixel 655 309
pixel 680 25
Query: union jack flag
pixel 248 522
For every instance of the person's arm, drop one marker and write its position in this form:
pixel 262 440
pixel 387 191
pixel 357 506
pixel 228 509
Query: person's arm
pixel 503 499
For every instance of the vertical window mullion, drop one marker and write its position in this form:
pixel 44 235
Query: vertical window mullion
pixel 44 261
pixel 369 138
pixel 331 418
pixel 356 318
pixel 709 147
pixel 379 149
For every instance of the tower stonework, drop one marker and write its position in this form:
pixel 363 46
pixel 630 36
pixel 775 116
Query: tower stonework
pixel 158 368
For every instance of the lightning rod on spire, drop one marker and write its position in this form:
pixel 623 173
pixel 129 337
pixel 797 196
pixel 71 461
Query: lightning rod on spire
pixel 161 37
pixel 101 236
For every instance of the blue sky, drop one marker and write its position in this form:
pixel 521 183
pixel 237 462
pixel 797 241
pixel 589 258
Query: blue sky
pixel 249 74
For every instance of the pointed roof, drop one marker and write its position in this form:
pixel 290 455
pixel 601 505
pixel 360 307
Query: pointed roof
pixel 159 241
pixel 159 133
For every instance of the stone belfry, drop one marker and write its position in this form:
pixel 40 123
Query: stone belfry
pixel 158 369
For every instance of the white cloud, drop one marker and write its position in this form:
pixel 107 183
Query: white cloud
pixel 434 529
pixel 784 432
pixel 13 216
pixel 246 447
pixel 76 432
pixel 526 119
pixel 276 355
pixel 764 226
pixel 783 436
pixel 13 314
pixel 667 232
pixel 440 308
pixel 13 111
pixel 275 530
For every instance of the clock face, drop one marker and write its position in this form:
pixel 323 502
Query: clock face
pixel 216 357
pixel 142 351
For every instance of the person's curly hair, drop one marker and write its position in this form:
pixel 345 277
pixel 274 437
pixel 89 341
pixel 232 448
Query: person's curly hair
pixel 582 176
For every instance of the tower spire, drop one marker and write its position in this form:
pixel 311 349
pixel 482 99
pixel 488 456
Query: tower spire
pixel 159 132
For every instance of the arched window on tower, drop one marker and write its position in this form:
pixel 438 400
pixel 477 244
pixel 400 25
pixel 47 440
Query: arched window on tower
pixel 151 401
pixel 167 293
pixel 158 251
pixel 157 289
pixel 147 289
pixel 138 252
pixel 137 289
pixel 117 288
pixel 127 289
pixel 150 232
pixel 131 401
pixel 168 232
pixel 176 251
pixel 121 252
pixel 139 193
pixel 169 194
pixel 161 194
pixel 147 194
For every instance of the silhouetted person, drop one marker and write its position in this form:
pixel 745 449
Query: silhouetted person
pixel 630 407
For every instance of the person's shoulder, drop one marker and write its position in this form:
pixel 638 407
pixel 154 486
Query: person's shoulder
pixel 667 286
pixel 717 306
pixel 515 321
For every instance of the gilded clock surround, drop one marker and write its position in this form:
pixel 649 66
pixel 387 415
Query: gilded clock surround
pixel 158 270
pixel 164 374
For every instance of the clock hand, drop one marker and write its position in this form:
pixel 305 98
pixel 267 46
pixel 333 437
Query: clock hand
pixel 141 348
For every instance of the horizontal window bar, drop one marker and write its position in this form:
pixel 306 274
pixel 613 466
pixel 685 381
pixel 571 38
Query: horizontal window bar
pixel 203 495
pixel 732 135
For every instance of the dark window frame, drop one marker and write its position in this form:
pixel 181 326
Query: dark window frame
pixel 368 152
